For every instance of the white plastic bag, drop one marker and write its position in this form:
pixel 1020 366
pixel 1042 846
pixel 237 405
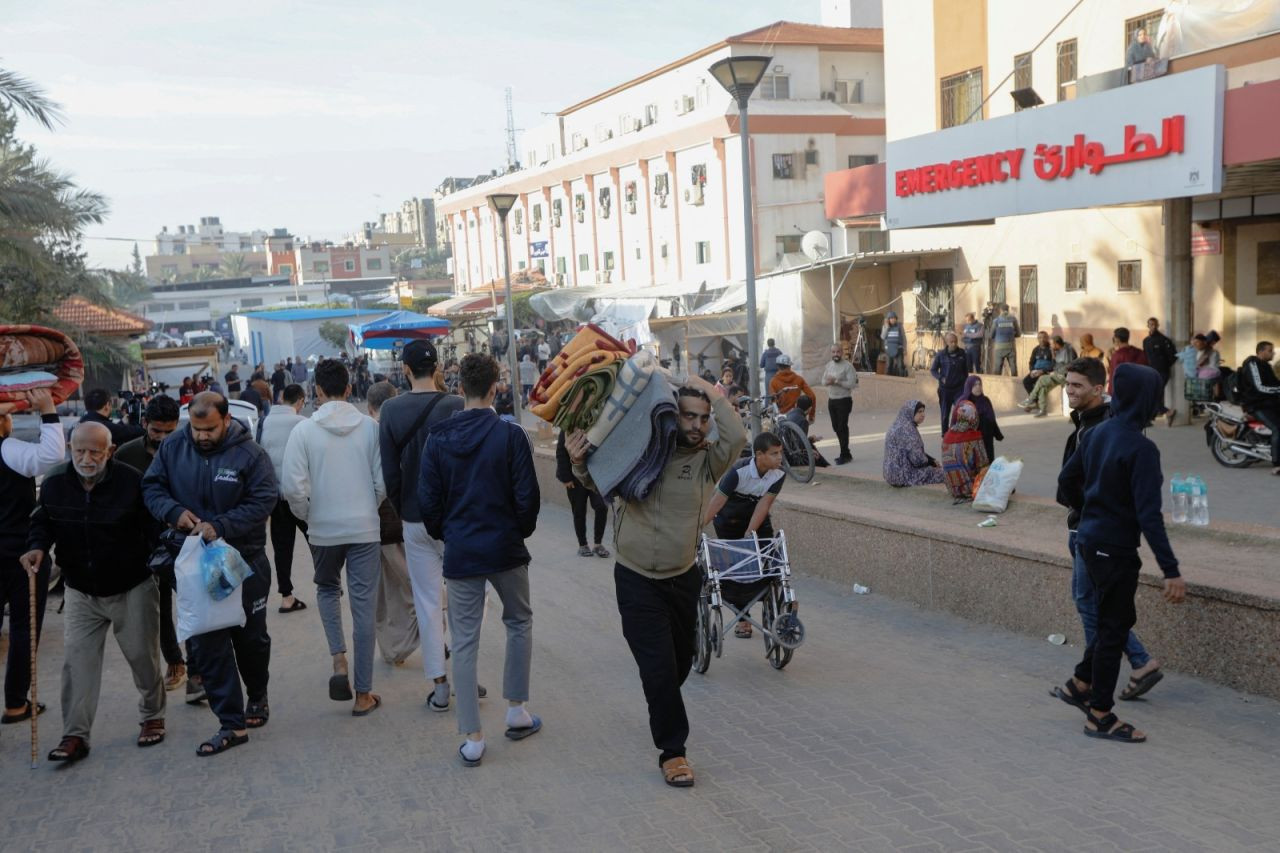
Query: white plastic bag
pixel 198 613
pixel 997 485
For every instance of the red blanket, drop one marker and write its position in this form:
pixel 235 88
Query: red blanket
pixel 25 348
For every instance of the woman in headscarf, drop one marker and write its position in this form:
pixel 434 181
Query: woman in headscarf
pixel 1088 349
pixel 962 453
pixel 986 414
pixel 905 462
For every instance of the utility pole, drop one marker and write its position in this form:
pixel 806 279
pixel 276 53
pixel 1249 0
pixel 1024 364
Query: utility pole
pixel 513 159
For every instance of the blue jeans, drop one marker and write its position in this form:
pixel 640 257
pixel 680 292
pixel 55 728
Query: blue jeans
pixel 1087 606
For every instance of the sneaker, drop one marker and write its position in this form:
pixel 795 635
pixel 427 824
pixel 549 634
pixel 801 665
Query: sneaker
pixel 844 460
pixel 1042 413
pixel 584 551
pixel 195 690
pixel 1027 404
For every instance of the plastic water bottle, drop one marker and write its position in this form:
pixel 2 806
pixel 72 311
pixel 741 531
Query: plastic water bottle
pixel 1178 492
pixel 1199 503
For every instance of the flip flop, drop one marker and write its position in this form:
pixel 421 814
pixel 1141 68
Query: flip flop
pixel 1139 686
pixel 297 605
pixel 340 688
pixel 469 762
pixel 377 703
pixel 9 719
pixel 525 731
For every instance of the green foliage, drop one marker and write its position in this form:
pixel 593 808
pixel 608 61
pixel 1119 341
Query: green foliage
pixel 234 265
pixel 136 266
pixel 335 333
pixel 430 264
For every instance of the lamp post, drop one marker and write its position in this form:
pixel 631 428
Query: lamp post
pixel 502 204
pixel 739 76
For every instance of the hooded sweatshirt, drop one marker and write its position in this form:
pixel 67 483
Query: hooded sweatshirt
pixel 1114 475
pixel 788 378
pixel 479 493
pixel 275 432
pixel 333 475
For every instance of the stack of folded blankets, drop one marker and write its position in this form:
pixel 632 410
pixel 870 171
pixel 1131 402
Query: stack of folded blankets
pixel 36 357
pixel 623 400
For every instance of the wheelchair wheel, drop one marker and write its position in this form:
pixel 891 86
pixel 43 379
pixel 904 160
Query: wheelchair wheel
pixel 778 655
pixel 702 636
pixel 717 631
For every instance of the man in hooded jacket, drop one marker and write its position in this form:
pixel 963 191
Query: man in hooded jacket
pixel 210 479
pixel 1114 476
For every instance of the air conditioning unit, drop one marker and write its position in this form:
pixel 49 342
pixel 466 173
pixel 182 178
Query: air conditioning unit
pixel 555 220
pixel 639 124
pixel 693 195
pixel 689 103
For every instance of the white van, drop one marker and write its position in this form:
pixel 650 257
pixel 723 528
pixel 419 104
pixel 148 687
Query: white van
pixel 201 338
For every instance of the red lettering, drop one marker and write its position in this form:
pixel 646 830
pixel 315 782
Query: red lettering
pixel 955 173
pixel 1014 159
pixel 902 184
pixel 972 173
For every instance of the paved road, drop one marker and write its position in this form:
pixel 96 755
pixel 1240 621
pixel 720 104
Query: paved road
pixel 892 729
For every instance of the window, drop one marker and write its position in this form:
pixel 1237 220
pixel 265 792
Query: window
pixel 1077 278
pixel 605 201
pixel 848 91
pixel 856 160
pixel 193 306
pixel 702 252
pixel 286 269
pixel 1021 74
pixel 661 185
pixel 557 207
pixel 1129 277
pixel 637 253
pixel 608 260
pixel 775 87
pixel 995 284
pixel 517 220
pixel 1066 66
pixel 961 97
pixel 1268 276
pixel 603 132
pixel 251 302
pixel 1149 22
pixel 873 241
pixel 811 157
pixel 320 266
pixel 698 183
pixel 349 265
pixel 784 166
pixel 536 216
pixel 577 141
pixel 580 207
pixel 662 250
pixel 1029 288
pixel 373 264
pixel 584 262
pixel 788 243
pixel 562 265
pixel 169 269
pixel 650 113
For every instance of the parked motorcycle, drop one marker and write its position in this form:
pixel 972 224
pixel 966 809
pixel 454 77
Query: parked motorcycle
pixel 1236 439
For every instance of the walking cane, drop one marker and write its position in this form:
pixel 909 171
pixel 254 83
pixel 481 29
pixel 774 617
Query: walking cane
pixel 35 714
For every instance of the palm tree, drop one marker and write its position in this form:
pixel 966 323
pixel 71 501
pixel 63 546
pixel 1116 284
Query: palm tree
pixel 17 92
pixel 234 265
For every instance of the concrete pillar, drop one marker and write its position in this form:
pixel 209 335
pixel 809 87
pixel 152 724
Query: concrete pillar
pixel 1177 288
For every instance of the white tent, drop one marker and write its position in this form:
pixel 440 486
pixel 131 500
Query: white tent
pixel 273 336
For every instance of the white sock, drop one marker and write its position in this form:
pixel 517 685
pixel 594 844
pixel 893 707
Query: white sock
pixel 473 749
pixel 518 717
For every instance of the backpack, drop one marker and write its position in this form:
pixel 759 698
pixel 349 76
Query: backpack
pixel 1229 383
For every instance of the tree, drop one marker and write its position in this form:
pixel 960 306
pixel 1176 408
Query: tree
pixel 136 267
pixel 234 265
pixel 335 334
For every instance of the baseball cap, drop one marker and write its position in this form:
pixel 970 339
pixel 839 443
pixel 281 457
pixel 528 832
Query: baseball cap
pixel 784 360
pixel 419 354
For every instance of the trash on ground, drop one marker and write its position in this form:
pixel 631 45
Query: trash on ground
pixel 859 589
pixel 1057 639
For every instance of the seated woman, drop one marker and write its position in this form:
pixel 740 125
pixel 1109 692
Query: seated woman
pixel 740 506
pixel 962 453
pixel 986 414
pixel 905 462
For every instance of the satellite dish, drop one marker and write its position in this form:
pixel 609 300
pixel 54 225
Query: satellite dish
pixel 816 245
pixel 917 287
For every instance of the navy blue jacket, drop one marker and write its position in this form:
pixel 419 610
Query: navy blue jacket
pixel 232 486
pixel 1115 472
pixel 478 492
pixel 951 368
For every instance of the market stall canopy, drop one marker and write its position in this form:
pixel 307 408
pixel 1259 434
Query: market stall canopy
pixel 564 303
pixel 396 328
pixel 467 303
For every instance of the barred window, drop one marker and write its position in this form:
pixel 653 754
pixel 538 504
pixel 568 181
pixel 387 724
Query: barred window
pixel 1021 74
pixel 1029 288
pixel 1077 278
pixel 995 281
pixel 961 97
pixel 1066 66
pixel 1129 277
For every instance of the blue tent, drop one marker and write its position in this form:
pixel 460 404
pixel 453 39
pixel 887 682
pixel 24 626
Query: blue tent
pixel 397 329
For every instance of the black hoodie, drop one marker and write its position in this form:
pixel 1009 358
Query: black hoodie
pixel 1115 473
pixel 478 492
pixel 1084 421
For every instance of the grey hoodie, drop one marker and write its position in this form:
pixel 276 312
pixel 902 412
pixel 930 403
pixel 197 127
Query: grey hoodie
pixel 332 475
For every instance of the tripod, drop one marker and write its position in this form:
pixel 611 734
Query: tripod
pixel 858 355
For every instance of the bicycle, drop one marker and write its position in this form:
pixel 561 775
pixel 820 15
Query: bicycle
pixel 798 458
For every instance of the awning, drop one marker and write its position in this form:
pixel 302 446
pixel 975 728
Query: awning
pixel 703 325
pixel 564 303
pixel 734 297
pixel 467 303
pixel 395 329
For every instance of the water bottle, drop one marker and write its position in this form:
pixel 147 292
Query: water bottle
pixel 1199 503
pixel 1178 492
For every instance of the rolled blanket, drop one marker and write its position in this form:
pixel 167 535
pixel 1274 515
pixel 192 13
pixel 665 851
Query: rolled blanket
pixel 633 376
pixel 662 444
pixel 574 370
pixel 625 447
pixel 580 406
pixel 25 348
pixel 590 339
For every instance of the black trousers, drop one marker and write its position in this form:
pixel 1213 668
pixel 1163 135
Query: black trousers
pixel 222 658
pixel 168 632
pixel 284 533
pixel 15 593
pixel 947 399
pixel 1270 415
pixel 1029 382
pixel 659 621
pixel 897 364
pixel 1114 573
pixel 579 497
pixel 839 408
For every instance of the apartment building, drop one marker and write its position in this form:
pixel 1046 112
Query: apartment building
pixel 412 226
pixel 310 262
pixel 192 249
pixel 641 184
pixel 1086 192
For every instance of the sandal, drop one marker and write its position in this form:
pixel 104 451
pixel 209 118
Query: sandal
pixel 256 714
pixel 1072 695
pixel 1139 686
pixel 72 748
pixel 377 703
pixel 221 742
pixel 469 762
pixel 1109 727
pixel 584 551
pixel 175 676
pixel 602 551
pixel 24 714
pixel 295 607
pixel 677 773
pixel 340 688
pixel 743 630
pixel 522 732
pixel 152 733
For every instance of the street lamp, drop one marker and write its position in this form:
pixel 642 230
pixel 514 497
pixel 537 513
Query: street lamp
pixel 739 76
pixel 502 204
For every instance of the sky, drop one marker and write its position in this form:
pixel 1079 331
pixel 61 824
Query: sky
pixel 317 116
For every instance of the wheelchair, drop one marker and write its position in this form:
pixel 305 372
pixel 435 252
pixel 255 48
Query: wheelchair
pixel 761 565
